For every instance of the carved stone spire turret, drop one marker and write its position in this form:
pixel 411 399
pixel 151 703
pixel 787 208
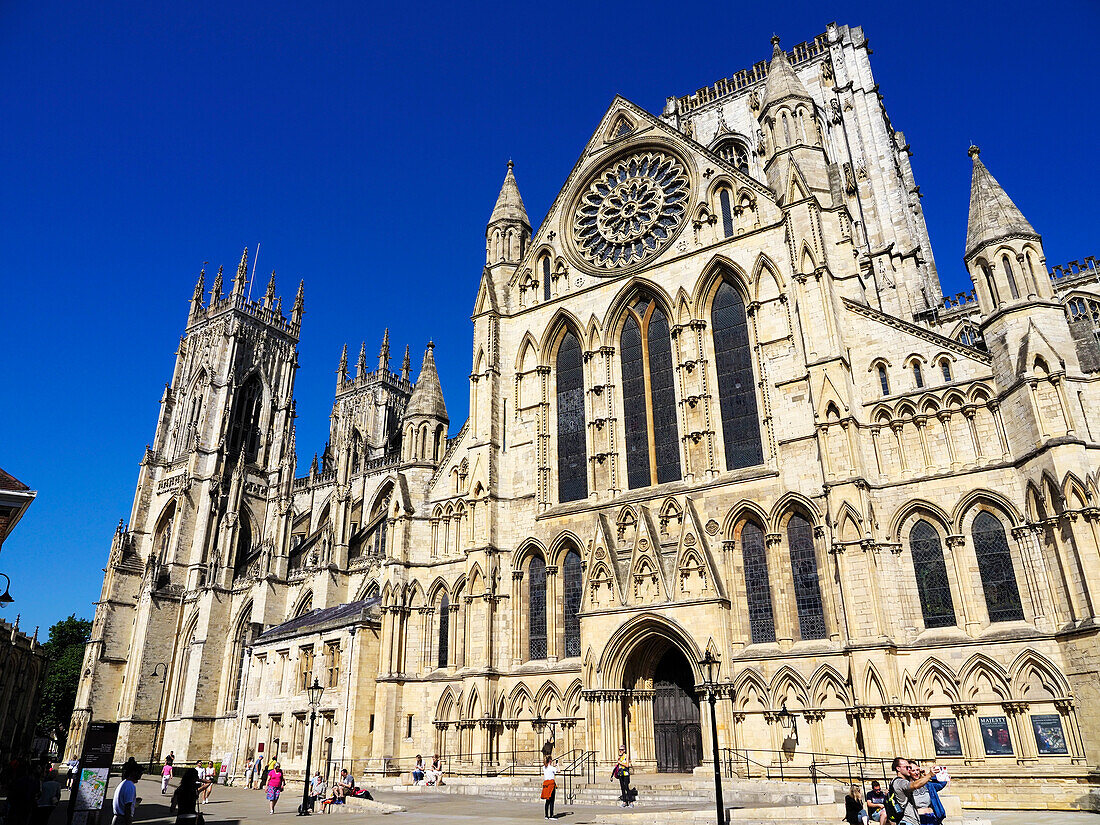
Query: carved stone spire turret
pixel 993 215
pixel 299 304
pixel 342 370
pixel 405 365
pixel 200 287
pixel 242 274
pixel 361 364
pixel 384 352
pixel 509 230
pixel 426 411
pixel 216 290
pixel 269 296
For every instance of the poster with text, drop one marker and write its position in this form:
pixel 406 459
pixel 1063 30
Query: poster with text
pixel 93 774
pixel 945 736
pixel 1049 737
pixel 995 735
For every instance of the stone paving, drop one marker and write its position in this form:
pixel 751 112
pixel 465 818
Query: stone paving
pixel 230 805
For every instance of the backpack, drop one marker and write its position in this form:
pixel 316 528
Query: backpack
pixel 896 804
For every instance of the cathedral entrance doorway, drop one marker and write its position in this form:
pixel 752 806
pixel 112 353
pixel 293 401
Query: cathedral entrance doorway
pixel 678 740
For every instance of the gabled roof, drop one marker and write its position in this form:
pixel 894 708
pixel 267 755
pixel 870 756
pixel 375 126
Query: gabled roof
pixel 339 615
pixel 509 205
pixel 427 397
pixel 993 215
pixel 782 82
pixel 10 482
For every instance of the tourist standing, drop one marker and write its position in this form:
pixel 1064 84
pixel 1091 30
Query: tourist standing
pixel 49 794
pixel 274 785
pixel 622 773
pixel 258 773
pixel 185 801
pixel 549 785
pixel 126 799
pixel 907 791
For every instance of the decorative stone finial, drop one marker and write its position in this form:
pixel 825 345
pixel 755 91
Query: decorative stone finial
pixel 775 45
pixel 973 151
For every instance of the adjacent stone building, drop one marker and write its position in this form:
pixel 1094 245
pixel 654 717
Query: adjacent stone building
pixel 717 402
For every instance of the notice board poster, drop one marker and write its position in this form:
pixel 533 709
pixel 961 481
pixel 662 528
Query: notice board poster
pixel 995 735
pixel 945 736
pixel 93 773
pixel 1049 738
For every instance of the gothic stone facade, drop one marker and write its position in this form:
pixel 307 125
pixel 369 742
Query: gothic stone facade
pixel 717 402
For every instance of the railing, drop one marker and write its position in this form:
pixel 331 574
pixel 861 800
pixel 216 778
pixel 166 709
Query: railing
pixel 579 768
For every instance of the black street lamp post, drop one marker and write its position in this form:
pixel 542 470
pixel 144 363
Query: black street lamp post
pixel 711 666
pixel 314 691
pixel 160 709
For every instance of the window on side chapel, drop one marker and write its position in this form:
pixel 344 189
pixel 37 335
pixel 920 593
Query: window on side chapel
pixel 736 381
pixel 930 568
pixel 536 608
pixel 572 449
pixel 807 586
pixel 1002 596
pixel 571 603
pixel 649 400
pixel 757 588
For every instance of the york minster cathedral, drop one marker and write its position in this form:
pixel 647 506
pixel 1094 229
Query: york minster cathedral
pixel 718 404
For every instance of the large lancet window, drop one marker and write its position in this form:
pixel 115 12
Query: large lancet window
pixel 736 382
pixel 247 551
pixel 244 424
pixel 572 452
pixel 649 400
pixel 571 602
pixel 807 585
pixel 546 277
pixel 757 584
pixel 536 608
pixel 727 212
pixel 930 568
pixel 444 630
pixel 1002 596
pixel 1011 276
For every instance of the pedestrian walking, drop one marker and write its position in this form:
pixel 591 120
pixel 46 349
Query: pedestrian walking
pixel 185 801
pixel 622 773
pixel 49 794
pixel 549 785
pixel 126 800
pixel 165 775
pixel 274 785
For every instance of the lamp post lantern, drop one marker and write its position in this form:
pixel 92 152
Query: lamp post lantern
pixel 314 692
pixel 5 597
pixel 711 666
pixel 160 709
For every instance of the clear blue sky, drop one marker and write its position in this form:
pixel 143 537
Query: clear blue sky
pixel 363 145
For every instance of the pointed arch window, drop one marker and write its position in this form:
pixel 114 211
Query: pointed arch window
pixel 571 603
pixel 736 381
pixel 247 551
pixel 444 630
pixel 1011 276
pixel 649 400
pixel 883 380
pixel 807 584
pixel 536 608
pixel 726 206
pixel 546 277
pixel 241 641
pixel 991 285
pixel 1002 596
pixel 244 424
pixel 572 449
pixel 933 586
pixel 757 588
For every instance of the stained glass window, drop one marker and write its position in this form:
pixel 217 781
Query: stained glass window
pixel 930 568
pixel 807 586
pixel 444 629
pixel 945 365
pixel 727 213
pixel 1002 597
pixel 572 452
pixel 571 603
pixel 536 609
pixel 757 585
pixel 883 381
pixel 736 382
pixel 918 375
pixel 652 434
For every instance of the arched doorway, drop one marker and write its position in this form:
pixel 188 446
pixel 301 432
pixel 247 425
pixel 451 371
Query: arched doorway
pixel 677 738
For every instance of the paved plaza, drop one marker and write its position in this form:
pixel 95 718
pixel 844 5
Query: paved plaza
pixel 230 805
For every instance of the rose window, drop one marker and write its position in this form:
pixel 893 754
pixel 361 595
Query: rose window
pixel 631 209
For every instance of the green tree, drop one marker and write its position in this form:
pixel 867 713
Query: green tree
pixel 64 656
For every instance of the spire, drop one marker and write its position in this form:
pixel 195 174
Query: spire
pixel 361 364
pixel 242 273
pixel 200 287
pixel 782 82
pixel 313 466
pixel 405 365
pixel 269 298
pixel 384 353
pixel 216 290
pixel 427 397
pixel 299 303
pixel 342 370
pixel 509 203
pixel 993 215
